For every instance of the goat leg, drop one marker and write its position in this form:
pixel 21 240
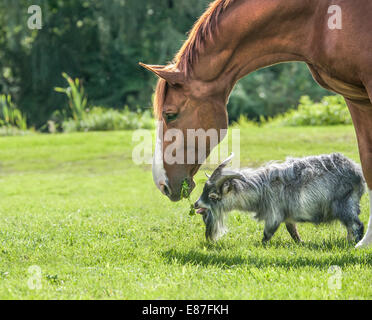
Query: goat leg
pixel 292 229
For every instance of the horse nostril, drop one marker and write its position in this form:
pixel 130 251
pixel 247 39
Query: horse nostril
pixel 167 190
pixel 164 188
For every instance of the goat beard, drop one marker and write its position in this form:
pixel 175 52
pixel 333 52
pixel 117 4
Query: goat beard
pixel 214 220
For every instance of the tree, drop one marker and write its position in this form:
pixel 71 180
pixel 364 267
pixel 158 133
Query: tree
pixel 101 42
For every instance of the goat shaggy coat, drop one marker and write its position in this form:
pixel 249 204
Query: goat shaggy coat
pixel 316 189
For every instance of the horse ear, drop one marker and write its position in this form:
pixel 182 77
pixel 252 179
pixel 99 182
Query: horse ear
pixel 169 73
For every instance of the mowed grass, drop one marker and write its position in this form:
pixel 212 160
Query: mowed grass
pixel 77 207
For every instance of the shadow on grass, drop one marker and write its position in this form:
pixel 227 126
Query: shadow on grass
pixel 290 260
pixel 326 245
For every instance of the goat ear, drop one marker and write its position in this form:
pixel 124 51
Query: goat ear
pixel 169 73
pixel 227 176
pixel 226 187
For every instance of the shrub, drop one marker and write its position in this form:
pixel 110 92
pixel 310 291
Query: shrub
pixel 244 122
pixel 10 116
pixel 12 120
pixel 77 99
pixel 80 118
pixel 331 110
pixel 100 119
pixel 272 91
pixel 13 131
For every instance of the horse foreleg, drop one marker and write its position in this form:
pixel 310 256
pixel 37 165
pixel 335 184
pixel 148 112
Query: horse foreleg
pixel 361 113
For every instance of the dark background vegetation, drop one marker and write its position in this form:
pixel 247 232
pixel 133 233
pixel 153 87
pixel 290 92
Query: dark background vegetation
pixel 101 43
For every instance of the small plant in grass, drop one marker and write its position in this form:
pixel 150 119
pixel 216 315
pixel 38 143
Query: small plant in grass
pixel 53 279
pixel 185 194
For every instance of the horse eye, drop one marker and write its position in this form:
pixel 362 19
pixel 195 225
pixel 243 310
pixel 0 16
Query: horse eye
pixel 170 116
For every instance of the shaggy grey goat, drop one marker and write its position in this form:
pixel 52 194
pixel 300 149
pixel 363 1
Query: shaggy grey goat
pixel 314 189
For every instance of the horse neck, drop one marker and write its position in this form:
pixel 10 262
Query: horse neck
pixel 253 34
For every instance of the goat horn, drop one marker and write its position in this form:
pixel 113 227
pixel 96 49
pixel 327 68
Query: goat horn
pixel 217 172
pixel 228 175
pixel 207 175
pixel 226 161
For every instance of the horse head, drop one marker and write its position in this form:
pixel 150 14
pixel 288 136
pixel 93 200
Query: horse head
pixel 184 106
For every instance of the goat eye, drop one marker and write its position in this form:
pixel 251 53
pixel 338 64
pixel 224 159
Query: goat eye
pixel 170 116
pixel 213 196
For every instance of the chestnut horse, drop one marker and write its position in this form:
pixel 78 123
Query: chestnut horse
pixel 236 37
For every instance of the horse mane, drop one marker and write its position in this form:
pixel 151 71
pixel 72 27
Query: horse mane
pixel 204 28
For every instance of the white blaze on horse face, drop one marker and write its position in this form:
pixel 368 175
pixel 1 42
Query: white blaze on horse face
pixel 367 240
pixel 158 172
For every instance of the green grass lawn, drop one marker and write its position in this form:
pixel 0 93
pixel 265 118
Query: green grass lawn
pixel 76 206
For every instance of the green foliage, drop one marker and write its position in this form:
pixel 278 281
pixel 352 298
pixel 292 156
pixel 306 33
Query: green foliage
pixel 185 194
pixel 13 131
pixel 77 99
pixel 271 91
pixel 102 42
pixel 101 119
pixel 10 115
pixel 244 123
pixel 331 110
pixel 81 118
